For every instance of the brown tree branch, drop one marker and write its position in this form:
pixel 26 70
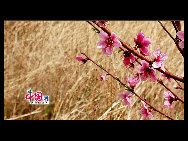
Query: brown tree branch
pixel 136 53
pixel 132 90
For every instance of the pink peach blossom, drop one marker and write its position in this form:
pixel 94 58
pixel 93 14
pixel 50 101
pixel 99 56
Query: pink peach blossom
pixel 169 100
pixel 79 58
pixel 180 34
pixel 128 58
pixel 102 77
pixel 135 79
pixel 126 97
pixel 143 43
pixel 158 59
pixel 145 111
pixel 108 42
pixel 145 71
pixel 169 78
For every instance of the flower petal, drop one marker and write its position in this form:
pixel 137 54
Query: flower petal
pixel 162 66
pixel 117 43
pixel 181 44
pixel 145 64
pixel 145 105
pixel 126 61
pixel 122 96
pixel 153 76
pixel 162 74
pixel 165 95
pixel 109 50
pixel 156 64
pixel 102 77
pixel 128 101
pixel 79 58
pixel 163 56
pixel 143 111
pixel 128 93
pixel 113 35
pixel 144 76
pixel 156 53
pixel 145 51
pixel 169 79
pixel 171 95
pixel 180 34
pixel 166 103
pixel 132 57
pixel 101 44
pixel 150 115
pixel 171 106
pixel 103 35
pixel 139 69
pixel 139 37
pixel 146 42
pixel 104 51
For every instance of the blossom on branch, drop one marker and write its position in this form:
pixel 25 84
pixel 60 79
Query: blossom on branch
pixel 128 58
pixel 108 42
pixel 145 71
pixel 135 79
pixel 158 59
pixel 169 100
pixel 143 43
pixel 126 97
pixel 145 111
pixel 102 77
pixel 80 59
pixel 180 34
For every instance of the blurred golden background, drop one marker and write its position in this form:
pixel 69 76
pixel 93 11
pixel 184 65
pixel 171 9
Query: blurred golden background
pixel 41 55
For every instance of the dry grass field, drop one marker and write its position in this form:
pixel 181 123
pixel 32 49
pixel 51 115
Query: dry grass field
pixel 41 55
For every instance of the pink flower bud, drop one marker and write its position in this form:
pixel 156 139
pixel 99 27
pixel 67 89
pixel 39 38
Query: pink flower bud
pixel 79 58
pixel 102 77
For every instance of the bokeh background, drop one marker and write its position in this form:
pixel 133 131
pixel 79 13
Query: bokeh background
pixel 41 55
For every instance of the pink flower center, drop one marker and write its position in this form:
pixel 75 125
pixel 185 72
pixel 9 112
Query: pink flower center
pixel 136 76
pixel 157 59
pixel 139 45
pixel 127 54
pixel 171 99
pixel 148 70
pixel 109 42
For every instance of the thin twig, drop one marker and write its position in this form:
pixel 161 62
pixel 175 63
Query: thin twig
pixel 173 23
pixel 167 31
pixel 116 78
pixel 174 39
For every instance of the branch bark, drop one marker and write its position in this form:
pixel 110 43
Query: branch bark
pixel 136 53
